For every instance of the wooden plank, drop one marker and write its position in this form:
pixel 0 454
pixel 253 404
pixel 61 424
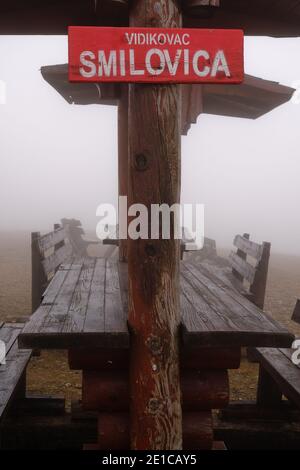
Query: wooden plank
pixel 224 274
pixel 284 372
pixel 249 247
pixel 9 333
pixel 115 320
pixel 56 318
pixel 10 374
pixel 55 259
pixel 39 278
pixel 242 267
pixel 249 410
pixel 250 310
pixel 35 331
pixel 190 359
pixel 241 433
pixel 53 288
pixel 289 353
pixel 222 317
pixel 94 320
pixel 49 240
pixel 75 318
pixel 242 255
pixel 269 394
pixel 239 296
pixel 123 164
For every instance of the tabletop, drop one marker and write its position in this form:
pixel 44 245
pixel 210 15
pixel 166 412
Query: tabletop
pixel 85 305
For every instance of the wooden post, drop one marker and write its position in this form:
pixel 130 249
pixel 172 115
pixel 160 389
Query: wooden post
pixel 123 158
pixel 268 392
pixel 38 277
pixel 259 286
pixel 154 316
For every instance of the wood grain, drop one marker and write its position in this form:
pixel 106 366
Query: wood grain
pixel 154 315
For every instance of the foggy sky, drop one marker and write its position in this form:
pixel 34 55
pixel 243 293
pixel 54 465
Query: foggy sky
pixel 60 160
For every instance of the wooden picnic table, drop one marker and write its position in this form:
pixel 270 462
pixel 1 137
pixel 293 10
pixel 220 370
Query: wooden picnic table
pixel 85 306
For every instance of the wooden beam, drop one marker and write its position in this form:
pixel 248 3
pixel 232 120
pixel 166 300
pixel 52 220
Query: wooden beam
pixel 154 317
pixel 123 159
pixel 38 277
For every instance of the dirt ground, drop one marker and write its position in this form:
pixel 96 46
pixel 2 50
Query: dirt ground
pixel 49 373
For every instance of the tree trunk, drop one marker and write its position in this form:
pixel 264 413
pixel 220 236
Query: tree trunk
pixel 154 316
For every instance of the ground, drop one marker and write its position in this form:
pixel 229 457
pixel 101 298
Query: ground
pixel 49 373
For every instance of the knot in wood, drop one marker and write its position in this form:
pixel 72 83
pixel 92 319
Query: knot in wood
pixel 155 345
pixel 150 250
pixel 154 405
pixel 141 162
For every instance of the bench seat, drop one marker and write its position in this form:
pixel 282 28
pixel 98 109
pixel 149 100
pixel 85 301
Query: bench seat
pixel 278 364
pixel 12 372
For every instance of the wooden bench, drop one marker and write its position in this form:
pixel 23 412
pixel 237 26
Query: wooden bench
pixel 274 420
pixel 246 268
pixel 49 251
pixel 12 368
pixel 84 310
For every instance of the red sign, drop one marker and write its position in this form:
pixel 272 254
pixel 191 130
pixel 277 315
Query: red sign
pixel 152 55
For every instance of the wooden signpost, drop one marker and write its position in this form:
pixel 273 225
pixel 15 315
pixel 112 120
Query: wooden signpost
pixel 153 56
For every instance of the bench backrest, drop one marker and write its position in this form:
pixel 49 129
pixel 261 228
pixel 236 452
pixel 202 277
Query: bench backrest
pixel 48 252
pixel 255 272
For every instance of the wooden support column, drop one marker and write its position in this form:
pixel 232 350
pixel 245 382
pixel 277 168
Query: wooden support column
pixel 38 278
pixel 154 317
pixel 123 158
pixel 259 286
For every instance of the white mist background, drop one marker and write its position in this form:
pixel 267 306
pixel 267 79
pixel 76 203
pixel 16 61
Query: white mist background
pixel 59 160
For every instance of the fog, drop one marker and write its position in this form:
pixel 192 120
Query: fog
pixel 60 160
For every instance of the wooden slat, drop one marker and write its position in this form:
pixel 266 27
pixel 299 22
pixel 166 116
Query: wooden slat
pixel 242 267
pixel 59 256
pixel 247 246
pixel 75 318
pixel 32 332
pixel 94 320
pixel 9 333
pixel 10 374
pixel 224 274
pixel 54 286
pixel 56 318
pixel 286 374
pixel 219 316
pixel 115 320
pixel 51 239
pixel 248 309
